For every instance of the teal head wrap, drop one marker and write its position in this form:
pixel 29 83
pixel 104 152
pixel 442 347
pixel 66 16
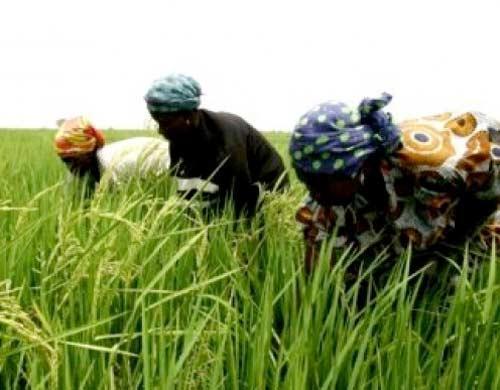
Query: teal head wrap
pixel 176 92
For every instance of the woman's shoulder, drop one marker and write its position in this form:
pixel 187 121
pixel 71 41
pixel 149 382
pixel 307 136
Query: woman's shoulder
pixel 137 141
pixel 133 143
pixel 226 121
pixel 458 146
pixel 131 149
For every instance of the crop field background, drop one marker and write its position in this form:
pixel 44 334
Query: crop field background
pixel 134 288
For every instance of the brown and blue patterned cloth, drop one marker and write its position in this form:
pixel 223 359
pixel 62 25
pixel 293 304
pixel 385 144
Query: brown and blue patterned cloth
pixel 447 166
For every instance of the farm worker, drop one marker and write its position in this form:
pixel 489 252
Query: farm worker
pixel 216 154
pixel 425 181
pixel 82 148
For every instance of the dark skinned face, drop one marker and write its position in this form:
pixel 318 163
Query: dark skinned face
pixel 335 190
pixel 332 190
pixel 178 127
pixel 80 165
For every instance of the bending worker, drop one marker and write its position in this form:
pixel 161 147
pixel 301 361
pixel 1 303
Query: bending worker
pixel 426 181
pixel 217 154
pixel 83 150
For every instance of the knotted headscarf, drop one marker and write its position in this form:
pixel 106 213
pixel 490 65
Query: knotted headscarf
pixel 76 137
pixel 334 138
pixel 176 92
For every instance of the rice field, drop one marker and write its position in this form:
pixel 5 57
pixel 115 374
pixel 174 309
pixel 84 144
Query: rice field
pixel 135 289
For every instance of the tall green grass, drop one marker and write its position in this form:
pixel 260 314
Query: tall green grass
pixel 136 289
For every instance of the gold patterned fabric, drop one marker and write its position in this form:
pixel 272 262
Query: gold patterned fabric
pixel 444 159
pixel 447 168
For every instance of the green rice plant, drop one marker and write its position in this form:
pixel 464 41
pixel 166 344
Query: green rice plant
pixel 135 288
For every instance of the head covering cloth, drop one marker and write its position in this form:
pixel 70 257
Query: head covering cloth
pixel 334 138
pixel 176 92
pixel 77 137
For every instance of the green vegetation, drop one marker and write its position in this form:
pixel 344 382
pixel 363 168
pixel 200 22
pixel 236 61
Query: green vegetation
pixel 133 289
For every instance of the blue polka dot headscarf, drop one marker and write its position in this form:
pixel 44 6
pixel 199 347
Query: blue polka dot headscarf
pixel 333 138
pixel 176 92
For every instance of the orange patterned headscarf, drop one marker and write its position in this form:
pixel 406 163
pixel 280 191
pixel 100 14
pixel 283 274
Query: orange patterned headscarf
pixel 76 137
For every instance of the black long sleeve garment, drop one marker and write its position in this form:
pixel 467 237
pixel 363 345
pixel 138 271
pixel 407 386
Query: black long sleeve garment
pixel 227 159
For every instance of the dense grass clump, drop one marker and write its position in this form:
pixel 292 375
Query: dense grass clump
pixel 136 289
